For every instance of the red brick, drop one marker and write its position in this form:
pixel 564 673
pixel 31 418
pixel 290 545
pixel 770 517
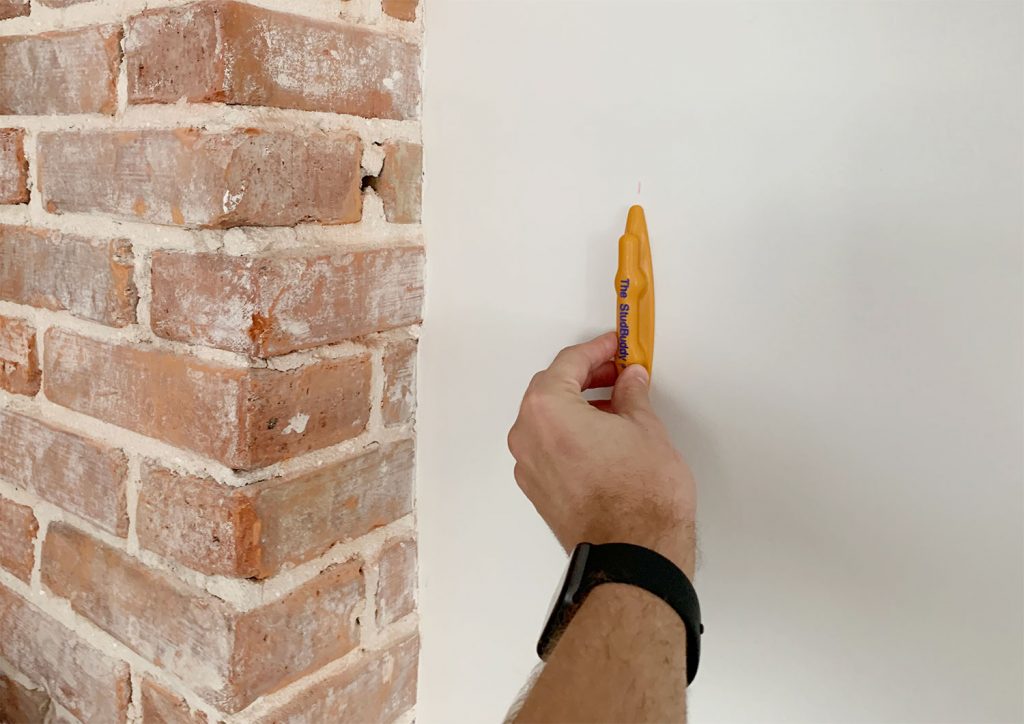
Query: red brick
pixel 90 278
pixel 19 365
pixel 378 689
pixel 271 305
pixel 396 583
pixel 208 526
pixel 241 54
pixel 73 71
pixel 18 527
pixel 191 177
pixel 228 657
pixel 79 475
pixel 242 417
pixel 17 536
pixel 86 682
pixel 21 705
pixel 401 9
pixel 399 381
pixel 13 9
pixel 162 706
pixel 186 630
pixel 13 167
pixel 305 409
pixel 337 502
pixel 255 531
pixel 400 182
pixel 299 633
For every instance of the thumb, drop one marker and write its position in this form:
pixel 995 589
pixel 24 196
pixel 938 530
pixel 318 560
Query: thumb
pixel 631 392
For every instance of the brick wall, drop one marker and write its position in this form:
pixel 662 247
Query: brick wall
pixel 210 290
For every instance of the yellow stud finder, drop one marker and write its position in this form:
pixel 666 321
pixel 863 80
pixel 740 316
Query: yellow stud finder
pixel 634 295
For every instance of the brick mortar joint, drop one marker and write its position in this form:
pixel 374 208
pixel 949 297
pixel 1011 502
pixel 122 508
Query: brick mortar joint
pixel 43 520
pixel 132 482
pixel 369 632
pixel 378 382
pixel 241 594
pixel 44 19
pixel 34 205
pixel 141 337
pixel 142 276
pixel 236 241
pixel 185 462
pixel 220 117
pixel 135 695
pixel 247 595
pixel 121 82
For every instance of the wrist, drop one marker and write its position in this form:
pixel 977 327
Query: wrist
pixel 676 541
pixel 644 573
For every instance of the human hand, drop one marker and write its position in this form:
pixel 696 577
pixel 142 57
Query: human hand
pixel 603 471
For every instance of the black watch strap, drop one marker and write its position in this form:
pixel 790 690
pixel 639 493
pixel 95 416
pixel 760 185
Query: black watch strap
pixel 591 565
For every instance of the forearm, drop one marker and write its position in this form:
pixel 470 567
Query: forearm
pixel 608 473
pixel 621 659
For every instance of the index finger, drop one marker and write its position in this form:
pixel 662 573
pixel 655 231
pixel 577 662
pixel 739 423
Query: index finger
pixel 575 364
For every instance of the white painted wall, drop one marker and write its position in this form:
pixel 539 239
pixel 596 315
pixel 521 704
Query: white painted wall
pixel 834 192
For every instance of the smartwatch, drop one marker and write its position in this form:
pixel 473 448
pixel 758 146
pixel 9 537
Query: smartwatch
pixel 591 565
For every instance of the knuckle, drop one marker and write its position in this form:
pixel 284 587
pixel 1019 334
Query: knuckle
pixel 566 352
pixel 534 402
pixel 513 440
